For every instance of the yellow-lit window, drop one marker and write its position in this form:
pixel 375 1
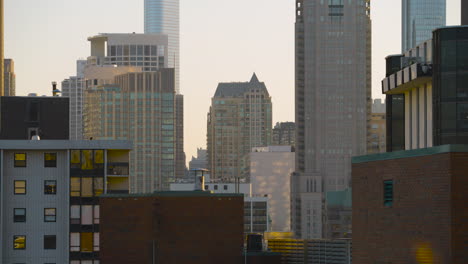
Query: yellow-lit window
pixel 50 160
pixel 98 186
pixel 86 242
pixel 87 187
pixel 98 156
pixel 87 160
pixel 19 242
pixel 75 187
pixel 20 160
pixel 75 158
pixel 20 187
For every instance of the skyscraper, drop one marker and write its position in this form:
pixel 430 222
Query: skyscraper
pixel 73 88
pixel 419 18
pixel 239 119
pixel 162 17
pixel 333 101
pixel 2 36
pixel 9 77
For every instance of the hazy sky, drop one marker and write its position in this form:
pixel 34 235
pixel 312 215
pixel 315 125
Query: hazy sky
pixel 221 41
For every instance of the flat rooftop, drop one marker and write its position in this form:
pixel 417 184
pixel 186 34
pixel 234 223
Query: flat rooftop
pixel 65 144
pixel 173 194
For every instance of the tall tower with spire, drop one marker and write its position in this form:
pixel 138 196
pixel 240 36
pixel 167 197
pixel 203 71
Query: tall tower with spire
pixel 240 118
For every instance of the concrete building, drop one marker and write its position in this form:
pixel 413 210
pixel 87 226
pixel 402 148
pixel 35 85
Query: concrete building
pixel 270 173
pixel 172 228
pixel 376 136
pixel 239 119
pixel 162 17
pixel 284 134
pixel 9 78
pixel 139 107
pixel 179 127
pixel 333 103
pixel 256 206
pixel 73 88
pixel 425 95
pixel 410 206
pixel 200 162
pixel 49 206
pixel 419 18
pixel 315 251
pixel 22 117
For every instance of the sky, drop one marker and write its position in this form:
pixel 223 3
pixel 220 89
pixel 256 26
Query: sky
pixel 221 41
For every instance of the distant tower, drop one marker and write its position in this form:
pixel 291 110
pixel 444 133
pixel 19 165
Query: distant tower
pixel 419 18
pixel 1 50
pixel 162 17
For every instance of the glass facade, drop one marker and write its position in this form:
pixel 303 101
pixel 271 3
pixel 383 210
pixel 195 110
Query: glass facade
pixel 419 19
pixel 450 81
pixel 162 17
pixel 149 57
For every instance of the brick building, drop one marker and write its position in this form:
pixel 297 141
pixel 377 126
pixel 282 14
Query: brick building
pixel 172 227
pixel 410 206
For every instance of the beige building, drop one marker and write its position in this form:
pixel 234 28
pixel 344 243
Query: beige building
pixel 270 173
pixel 376 141
pixel 140 107
pixel 239 120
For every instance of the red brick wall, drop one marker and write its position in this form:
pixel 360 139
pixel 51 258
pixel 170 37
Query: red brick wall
pixel 421 213
pixel 459 207
pixel 183 230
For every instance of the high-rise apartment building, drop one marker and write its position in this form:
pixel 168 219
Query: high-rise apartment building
pixel 419 18
pixel 49 196
pixel 179 127
pixel 239 119
pixel 333 103
pixel 284 134
pixel 9 78
pixel 162 17
pixel 73 88
pixel 139 107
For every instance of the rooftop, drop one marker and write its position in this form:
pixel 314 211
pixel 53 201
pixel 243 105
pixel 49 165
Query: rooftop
pixel 65 144
pixel 173 194
pixel 238 89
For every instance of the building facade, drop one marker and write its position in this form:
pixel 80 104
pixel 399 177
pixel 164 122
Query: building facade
pixel 173 228
pixel 270 173
pixel 239 119
pixel 376 139
pixel 9 78
pixel 419 18
pixel 162 17
pixel 73 88
pixel 181 168
pixel 49 197
pixel 333 103
pixel 22 117
pixel 284 134
pixel 200 162
pixel 139 107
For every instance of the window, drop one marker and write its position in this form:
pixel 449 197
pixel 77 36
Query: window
pixel 20 187
pixel 74 242
pixel 225 187
pixel 86 242
pixel 50 242
pixel 20 160
pixel 96 214
pixel 50 214
pixel 75 187
pixel 50 187
pixel 216 187
pixel 19 242
pixel 388 193
pixel 50 160
pixel 75 215
pixel 19 215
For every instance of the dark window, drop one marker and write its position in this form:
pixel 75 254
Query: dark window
pixel 50 187
pixel 19 242
pixel 50 160
pixel 216 187
pixel 388 193
pixel 19 215
pixel 50 242
pixel 20 187
pixel 20 160
pixel 225 187
pixel 50 214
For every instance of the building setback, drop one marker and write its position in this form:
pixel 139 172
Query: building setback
pixel 239 119
pixel 139 107
pixel 333 103
pixel 172 228
pixel 9 78
pixel 49 197
pixel 23 117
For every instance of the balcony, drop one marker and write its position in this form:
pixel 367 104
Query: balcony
pixel 118 169
pixel 407 79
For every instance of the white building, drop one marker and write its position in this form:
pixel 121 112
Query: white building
pixel 49 189
pixel 270 173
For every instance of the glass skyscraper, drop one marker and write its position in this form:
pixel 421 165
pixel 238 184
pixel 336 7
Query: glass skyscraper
pixel 419 18
pixel 162 17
